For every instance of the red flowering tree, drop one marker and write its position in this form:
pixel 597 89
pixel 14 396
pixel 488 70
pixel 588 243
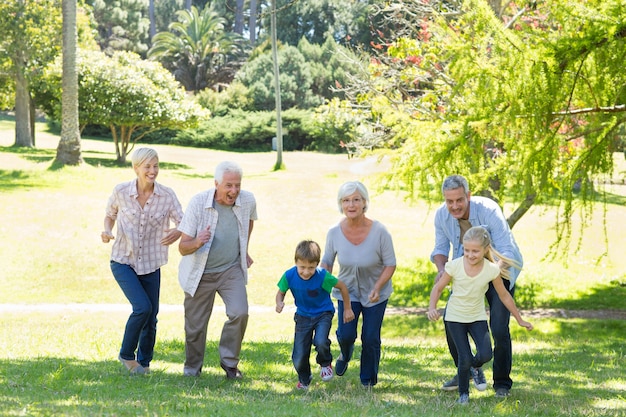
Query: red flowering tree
pixel 525 101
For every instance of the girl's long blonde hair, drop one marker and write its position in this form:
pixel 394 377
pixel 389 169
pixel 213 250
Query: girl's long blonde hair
pixel 480 235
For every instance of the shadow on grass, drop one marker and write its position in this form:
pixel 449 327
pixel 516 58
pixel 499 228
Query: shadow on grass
pixel 600 297
pixel 11 180
pixel 558 381
pixel 93 158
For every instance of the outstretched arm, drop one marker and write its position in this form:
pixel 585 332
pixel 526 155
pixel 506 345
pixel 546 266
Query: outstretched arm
pixel 435 295
pixel 348 314
pixel 280 301
pixel 107 233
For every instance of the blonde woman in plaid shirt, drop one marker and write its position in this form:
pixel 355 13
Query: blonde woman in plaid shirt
pixel 143 210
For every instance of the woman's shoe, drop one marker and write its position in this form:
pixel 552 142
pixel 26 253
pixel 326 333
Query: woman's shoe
pixel 133 366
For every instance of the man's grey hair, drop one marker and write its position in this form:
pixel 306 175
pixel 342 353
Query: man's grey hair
pixel 227 166
pixel 453 182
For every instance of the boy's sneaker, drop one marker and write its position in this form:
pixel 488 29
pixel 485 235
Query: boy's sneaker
pixel 451 385
pixel 463 399
pixel 302 386
pixel 479 378
pixel 326 373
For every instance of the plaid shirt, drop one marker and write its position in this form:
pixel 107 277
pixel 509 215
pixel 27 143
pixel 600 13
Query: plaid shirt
pixel 140 230
pixel 200 214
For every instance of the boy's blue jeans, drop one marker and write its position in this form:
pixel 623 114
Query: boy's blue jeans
pixel 479 331
pixel 370 337
pixel 142 291
pixel 311 330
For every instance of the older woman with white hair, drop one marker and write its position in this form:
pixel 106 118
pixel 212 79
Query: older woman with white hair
pixel 143 210
pixel 364 250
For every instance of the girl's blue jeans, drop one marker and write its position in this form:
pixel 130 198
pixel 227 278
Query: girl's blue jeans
pixel 142 291
pixel 311 330
pixel 499 318
pixel 370 337
pixel 479 332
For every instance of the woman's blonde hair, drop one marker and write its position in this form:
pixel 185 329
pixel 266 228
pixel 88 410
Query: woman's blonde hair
pixel 142 155
pixel 480 235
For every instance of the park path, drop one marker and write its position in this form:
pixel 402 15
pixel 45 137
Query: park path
pixel 80 307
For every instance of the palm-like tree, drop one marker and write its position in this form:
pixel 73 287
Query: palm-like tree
pixel 198 50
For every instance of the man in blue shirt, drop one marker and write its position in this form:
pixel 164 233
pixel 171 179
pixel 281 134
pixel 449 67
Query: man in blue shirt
pixel 452 220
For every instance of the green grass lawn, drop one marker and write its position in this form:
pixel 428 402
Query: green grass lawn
pixel 61 361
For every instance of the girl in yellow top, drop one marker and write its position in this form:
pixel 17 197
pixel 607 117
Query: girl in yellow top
pixel 465 314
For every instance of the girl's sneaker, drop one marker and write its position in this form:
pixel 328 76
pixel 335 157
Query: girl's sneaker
pixel 326 373
pixel 463 399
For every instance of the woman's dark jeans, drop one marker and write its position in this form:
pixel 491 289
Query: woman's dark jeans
pixel 370 337
pixel 142 291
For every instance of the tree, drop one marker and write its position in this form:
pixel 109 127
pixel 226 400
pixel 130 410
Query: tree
pixel 68 150
pixel 30 39
pixel 308 75
pixel 123 25
pixel 527 106
pixel 133 97
pixel 295 80
pixel 316 20
pixel 198 50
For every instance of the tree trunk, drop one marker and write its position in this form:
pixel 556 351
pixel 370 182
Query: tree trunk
pixel 152 20
pixel 68 150
pixel 252 22
pixel 33 114
pixel 23 134
pixel 238 17
pixel 521 210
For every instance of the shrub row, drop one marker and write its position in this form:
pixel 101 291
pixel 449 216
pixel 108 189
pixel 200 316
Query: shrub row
pixel 253 132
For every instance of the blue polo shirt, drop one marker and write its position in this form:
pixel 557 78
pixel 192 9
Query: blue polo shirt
pixel 312 296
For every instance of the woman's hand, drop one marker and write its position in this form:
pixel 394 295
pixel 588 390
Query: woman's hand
pixel 374 296
pixel 171 236
pixel 106 236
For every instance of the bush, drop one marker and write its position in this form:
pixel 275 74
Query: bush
pixel 253 131
pixel 235 96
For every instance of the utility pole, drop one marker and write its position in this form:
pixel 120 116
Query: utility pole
pixel 279 123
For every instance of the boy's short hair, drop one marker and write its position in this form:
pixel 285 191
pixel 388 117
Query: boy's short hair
pixel 309 251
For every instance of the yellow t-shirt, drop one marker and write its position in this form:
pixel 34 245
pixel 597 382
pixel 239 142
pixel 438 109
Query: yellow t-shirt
pixel 467 301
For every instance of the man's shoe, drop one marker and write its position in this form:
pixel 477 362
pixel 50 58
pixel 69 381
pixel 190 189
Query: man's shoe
pixel 451 385
pixel 479 378
pixel 326 373
pixel 502 392
pixel 341 366
pixel 463 399
pixel 231 373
